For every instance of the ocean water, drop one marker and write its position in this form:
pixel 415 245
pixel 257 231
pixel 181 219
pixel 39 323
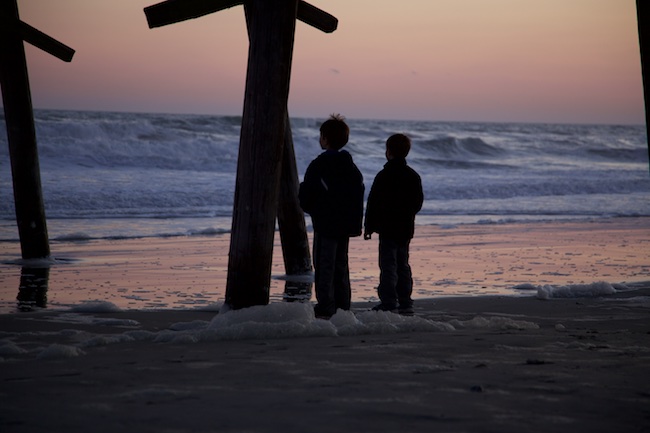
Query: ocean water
pixel 128 175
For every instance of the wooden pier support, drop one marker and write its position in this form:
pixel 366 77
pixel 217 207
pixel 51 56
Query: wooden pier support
pixel 643 17
pixel 21 135
pixel 271 33
pixel 267 178
pixel 19 119
pixel 291 218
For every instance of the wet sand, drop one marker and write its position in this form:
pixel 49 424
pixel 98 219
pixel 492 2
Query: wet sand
pixel 190 272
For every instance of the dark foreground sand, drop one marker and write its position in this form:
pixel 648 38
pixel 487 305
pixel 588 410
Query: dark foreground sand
pixel 584 368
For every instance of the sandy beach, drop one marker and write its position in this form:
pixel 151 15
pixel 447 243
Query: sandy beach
pixel 509 364
pixel 152 353
pixel 476 259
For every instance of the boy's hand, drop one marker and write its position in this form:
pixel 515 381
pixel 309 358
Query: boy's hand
pixel 367 235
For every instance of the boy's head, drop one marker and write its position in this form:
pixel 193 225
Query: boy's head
pixel 335 132
pixel 398 146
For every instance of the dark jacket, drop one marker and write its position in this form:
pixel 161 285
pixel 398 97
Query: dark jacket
pixel 395 197
pixel 332 193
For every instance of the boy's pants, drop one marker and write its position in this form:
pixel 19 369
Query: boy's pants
pixel 395 278
pixel 331 274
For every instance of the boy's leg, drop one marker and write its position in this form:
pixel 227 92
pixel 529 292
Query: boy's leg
pixel 404 285
pixel 387 273
pixel 324 261
pixel 342 290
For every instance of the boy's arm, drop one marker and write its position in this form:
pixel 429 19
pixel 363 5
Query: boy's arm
pixel 304 197
pixel 370 225
pixel 419 196
pixel 367 232
pixel 307 192
pixel 415 194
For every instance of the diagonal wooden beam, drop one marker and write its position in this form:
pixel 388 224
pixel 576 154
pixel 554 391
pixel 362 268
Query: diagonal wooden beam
pixel 13 24
pixel 174 11
pixel 46 43
pixel 317 18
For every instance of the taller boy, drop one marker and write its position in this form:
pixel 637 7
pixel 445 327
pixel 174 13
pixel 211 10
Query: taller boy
pixel 394 199
pixel 332 193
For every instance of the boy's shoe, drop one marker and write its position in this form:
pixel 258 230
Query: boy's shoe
pixel 320 314
pixel 384 307
pixel 406 311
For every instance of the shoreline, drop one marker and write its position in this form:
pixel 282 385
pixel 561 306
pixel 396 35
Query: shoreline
pixel 221 230
pixel 464 260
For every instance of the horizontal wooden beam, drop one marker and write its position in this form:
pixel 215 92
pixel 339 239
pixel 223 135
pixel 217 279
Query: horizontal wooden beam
pixel 315 17
pixel 174 11
pixel 46 43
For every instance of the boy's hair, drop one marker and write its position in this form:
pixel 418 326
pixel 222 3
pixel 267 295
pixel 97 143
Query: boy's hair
pixel 398 145
pixel 335 131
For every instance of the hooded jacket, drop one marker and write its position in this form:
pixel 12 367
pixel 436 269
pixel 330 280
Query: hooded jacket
pixel 332 193
pixel 394 199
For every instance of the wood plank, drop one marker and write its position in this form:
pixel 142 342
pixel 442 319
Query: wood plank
pixel 46 43
pixel 316 17
pixel 174 11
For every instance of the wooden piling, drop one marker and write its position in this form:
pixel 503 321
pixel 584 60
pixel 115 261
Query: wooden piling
pixel 271 33
pixel 21 135
pixel 291 218
pixel 643 17
pixel 266 170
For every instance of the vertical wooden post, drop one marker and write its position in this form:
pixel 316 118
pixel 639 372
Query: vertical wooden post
pixel 21 135
pixel 291 218
pixel 291 224
pixel 271 33
pixel 643 17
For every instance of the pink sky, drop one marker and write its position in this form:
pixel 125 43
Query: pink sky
pixel 569 61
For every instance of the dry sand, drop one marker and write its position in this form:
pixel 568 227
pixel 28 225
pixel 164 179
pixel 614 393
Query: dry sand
pixel 506 364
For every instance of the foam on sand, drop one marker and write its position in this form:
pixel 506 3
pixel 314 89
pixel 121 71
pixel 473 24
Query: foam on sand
pixel 576 290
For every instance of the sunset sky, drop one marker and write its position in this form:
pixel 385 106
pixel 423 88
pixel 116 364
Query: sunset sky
pixel 568 61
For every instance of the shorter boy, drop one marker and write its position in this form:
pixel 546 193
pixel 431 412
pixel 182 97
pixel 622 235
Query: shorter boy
pixel 332 193
pixel 395 197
